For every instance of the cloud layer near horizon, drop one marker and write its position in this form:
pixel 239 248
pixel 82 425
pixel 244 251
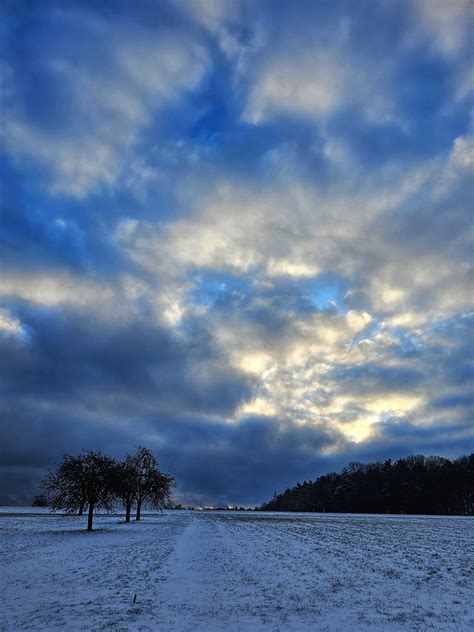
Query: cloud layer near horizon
pixel 239 233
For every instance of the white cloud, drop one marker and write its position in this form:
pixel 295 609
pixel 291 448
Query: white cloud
pixel 312 86
pixel 75 166
pixel 50 290
pixel 294 269
pixel 211 13
pixel 462 154
pixel 447 24
pixel 109 105
pixel 291 229
pixel 10 325
pixel 294 230
pixel 358 321
pixel 315 83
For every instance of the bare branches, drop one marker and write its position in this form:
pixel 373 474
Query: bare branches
pixel 141 482
pixel 93 480
pixel 80 480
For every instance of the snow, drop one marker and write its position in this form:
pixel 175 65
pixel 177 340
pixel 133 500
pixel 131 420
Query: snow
pixel 236 571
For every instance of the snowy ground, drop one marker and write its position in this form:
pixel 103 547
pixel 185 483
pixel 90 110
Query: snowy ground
pixel 237 571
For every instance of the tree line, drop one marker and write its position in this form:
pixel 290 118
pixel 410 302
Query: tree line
pixel 92 480
pixel 412 485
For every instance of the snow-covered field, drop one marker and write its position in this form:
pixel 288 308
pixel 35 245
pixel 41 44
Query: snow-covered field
pixel 237 571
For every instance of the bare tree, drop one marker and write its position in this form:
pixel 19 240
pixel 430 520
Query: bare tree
pixel 64 488
pixel 143 483
pixel 87 478
pixel 126 484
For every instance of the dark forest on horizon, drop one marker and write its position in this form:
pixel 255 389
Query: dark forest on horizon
pixel 412 485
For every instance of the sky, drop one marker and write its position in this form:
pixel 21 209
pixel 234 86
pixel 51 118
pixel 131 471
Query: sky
pixel 236 232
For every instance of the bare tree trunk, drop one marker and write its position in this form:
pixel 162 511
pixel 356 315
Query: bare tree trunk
pixel 128 511
pixel 139 510
pixel 81 509
pixel 90 517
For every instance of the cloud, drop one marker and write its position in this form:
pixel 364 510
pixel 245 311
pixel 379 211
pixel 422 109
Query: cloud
pixel 239 233
pixel 10 325
pixel 100 104
pixel 445 24
pixel 294 231
pixel 358 231
pixel 316 71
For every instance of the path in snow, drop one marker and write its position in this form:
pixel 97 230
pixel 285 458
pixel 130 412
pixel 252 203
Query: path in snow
pixel 206 585
pixel 238 572
pixel 330 573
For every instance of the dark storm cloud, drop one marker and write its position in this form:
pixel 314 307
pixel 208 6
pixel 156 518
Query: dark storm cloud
pixel 77 382
pixel 71 353
pixel 236 232
pixel 239 463
pixel 375 379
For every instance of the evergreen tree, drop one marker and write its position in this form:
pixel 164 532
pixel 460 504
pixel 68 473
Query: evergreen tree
pixel 415 484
